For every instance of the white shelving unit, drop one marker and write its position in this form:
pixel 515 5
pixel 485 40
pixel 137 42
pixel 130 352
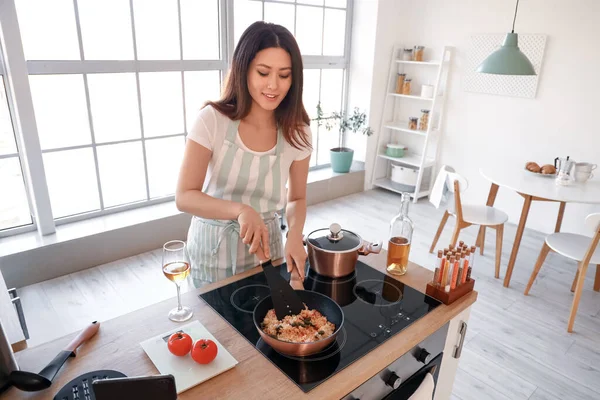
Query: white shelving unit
pixel 422 145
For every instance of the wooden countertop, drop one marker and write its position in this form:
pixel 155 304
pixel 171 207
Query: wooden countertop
pixel 116 346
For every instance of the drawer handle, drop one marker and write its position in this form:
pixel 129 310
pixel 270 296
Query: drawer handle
pixel 462 332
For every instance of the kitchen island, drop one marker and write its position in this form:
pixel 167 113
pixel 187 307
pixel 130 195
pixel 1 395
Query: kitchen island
pixel 116 346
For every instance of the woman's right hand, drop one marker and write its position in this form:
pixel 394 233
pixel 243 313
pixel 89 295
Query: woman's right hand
pixel 253 231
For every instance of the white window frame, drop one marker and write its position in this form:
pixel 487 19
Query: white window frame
pixel 17 70
pixel 21 108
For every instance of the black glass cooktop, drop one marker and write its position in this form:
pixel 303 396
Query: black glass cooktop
pixel 375 308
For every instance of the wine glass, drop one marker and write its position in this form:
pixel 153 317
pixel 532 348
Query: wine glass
pixel 176 268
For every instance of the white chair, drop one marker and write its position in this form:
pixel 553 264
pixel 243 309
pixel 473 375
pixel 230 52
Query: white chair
pixel 467 215
pixel 583 249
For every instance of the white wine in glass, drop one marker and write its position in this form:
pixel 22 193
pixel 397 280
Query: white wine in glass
pixel 176 268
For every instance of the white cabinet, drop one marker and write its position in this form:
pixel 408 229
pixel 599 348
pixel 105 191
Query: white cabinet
pixel 452 350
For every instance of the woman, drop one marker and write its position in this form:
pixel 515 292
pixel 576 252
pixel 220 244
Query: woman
pixel 241 152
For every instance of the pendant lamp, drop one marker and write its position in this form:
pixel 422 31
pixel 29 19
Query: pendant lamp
pixel 508 59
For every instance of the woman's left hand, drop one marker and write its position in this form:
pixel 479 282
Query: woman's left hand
pixel 295 254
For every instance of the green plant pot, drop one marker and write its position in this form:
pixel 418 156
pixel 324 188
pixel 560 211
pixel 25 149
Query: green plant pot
pixel 341 159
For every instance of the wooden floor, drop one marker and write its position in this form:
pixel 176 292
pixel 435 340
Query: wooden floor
pixel 517 347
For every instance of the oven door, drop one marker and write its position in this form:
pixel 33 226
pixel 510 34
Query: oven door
pixel 408 388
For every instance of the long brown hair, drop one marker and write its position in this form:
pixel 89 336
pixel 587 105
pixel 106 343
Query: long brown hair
pixel 236 101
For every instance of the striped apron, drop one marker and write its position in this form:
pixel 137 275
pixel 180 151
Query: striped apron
pixel 215 249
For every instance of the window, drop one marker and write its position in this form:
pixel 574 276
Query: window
pixel 320 28
pixel 110 105
pixel 110 108
pixel 14 205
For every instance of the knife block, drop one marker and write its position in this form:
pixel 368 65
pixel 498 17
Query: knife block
pixel 450 297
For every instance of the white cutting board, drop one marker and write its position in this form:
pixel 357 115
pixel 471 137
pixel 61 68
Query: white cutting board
pixel 187 372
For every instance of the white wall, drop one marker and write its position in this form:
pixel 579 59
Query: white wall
pixel 484 129
pixel 362 56
pixel 386 25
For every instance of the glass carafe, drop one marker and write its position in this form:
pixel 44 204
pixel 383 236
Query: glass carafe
pixel 400 239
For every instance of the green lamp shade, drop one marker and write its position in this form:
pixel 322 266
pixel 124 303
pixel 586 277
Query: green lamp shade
pixel 507 60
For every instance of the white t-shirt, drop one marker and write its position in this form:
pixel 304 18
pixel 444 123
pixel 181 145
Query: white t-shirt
pixel 210 130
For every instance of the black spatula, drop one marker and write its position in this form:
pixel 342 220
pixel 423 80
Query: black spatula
pixel 285 300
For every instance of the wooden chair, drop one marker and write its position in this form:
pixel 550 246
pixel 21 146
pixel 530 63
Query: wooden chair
pixel 580 248
pixel 467 215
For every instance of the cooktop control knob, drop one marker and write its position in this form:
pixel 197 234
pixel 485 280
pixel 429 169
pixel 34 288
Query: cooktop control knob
pixel 393 380
pixel 423 356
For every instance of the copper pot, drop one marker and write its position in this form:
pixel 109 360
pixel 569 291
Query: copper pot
pixel 333 252
pixel 314 301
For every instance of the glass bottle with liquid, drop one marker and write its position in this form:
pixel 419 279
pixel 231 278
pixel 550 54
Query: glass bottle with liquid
pixel 401 231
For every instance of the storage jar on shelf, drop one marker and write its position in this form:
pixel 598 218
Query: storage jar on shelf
pixel 406 86
pixel 418 53
pixel 400 83
pixel 407 55
pixel 412 123
pixel 424 121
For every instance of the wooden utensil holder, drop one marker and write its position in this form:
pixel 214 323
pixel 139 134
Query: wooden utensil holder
pixel 453 295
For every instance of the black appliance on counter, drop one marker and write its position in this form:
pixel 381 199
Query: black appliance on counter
pixel 376 307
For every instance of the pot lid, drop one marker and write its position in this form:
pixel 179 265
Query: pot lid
pixel 335 239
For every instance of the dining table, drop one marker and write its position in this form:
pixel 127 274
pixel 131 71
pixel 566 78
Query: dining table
pixel 534 187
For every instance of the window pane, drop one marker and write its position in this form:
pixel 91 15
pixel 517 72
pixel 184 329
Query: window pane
pixel 7 138
pixel 71 177
pixel 48 29
pixel 200 86
pixel 331 100
pixel 14 209
pixel 100 43
pixel 357 142
pixel 164 159
pixel 336 3
pixel 162 103
pixel 310 95
pixel 60 110
pixel 281 14
pixel 114 117
pixel 315 2
pixel 121 173
pixel 246 12
pixel 200 29
pixel 327 140
pixel 156 29
pixel 332 83
pixel 335 32
pixel 309 29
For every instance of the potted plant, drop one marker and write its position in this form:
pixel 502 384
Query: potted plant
pixel 341 157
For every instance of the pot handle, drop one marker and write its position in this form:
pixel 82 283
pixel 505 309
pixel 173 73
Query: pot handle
pixel 370 248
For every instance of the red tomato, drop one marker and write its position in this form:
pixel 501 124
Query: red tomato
pixel 180 343
pixel 204 351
